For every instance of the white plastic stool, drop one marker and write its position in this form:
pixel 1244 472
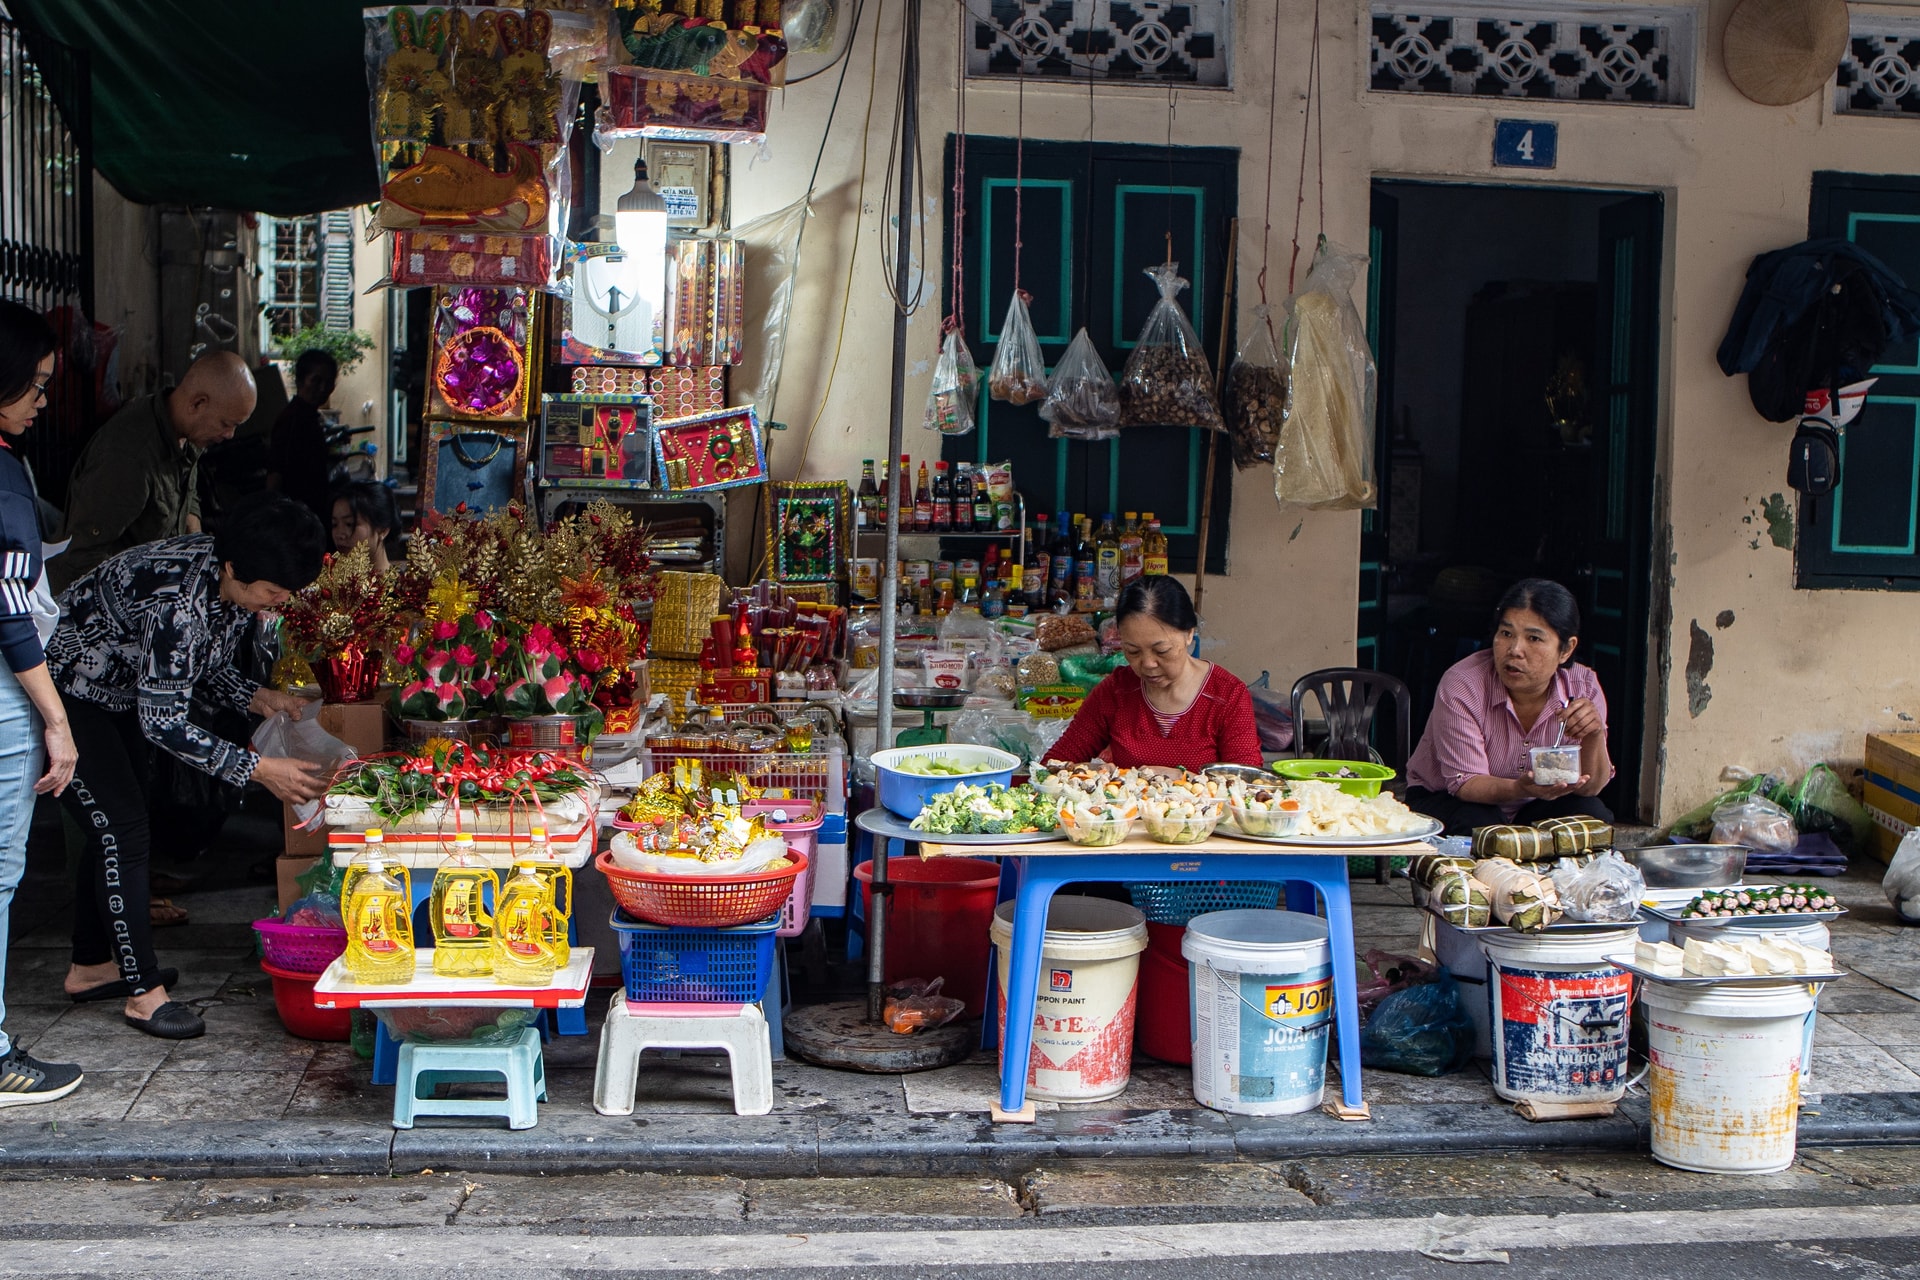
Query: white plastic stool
pixel 632 1029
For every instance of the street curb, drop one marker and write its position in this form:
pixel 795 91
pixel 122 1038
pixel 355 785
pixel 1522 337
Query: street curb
pixel 802 1146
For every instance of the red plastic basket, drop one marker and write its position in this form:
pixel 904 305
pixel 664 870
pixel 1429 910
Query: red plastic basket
pixel 299 948
pixel 701 902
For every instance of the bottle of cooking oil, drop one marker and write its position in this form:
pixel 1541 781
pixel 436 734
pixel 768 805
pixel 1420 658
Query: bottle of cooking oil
pixel 522 955
pixel 462 929
pixel 378 908
pixel 559 880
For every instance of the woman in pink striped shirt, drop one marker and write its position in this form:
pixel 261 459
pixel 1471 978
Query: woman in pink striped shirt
pixel 1473 767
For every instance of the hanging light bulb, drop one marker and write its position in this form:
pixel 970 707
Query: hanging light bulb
pixel 640 221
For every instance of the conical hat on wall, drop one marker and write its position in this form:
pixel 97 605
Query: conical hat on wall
pixel 1779 51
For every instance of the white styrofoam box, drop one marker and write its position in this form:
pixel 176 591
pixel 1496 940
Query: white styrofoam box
pixel 830 873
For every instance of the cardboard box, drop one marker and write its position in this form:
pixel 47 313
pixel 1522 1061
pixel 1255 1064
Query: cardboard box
pixel 290 867
pixel 1892 792
pixel 362 726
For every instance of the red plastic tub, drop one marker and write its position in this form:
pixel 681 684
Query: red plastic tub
pixel 938 921
pixel 1162 1027
pixel 293 998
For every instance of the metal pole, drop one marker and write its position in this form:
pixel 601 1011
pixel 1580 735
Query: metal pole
pixel 896 424
pixel 1213 437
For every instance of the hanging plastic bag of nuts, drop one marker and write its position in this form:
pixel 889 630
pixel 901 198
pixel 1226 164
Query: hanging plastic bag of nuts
pixel 1082 403
pixel 1256 394
pixel 1019 372
pixel 956 388
pixel 1167 381
pixel 1324 458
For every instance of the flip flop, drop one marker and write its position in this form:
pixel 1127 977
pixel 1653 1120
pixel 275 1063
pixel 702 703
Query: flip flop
pixel 162 914
pixel 119 989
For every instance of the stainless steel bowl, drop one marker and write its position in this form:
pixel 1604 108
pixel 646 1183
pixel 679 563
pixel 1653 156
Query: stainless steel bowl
pixel 922 699
pixel 1245 772
pixel 1689 866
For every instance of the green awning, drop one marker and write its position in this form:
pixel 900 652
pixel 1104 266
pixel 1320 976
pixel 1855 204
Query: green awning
pixel 231 104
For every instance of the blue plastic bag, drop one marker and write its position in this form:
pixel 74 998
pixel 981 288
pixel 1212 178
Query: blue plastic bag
pixel 1419 1031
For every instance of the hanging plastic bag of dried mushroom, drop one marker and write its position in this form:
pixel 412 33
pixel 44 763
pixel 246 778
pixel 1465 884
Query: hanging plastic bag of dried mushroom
pixel 1167 381
pixel 956 388
pixel 1324 458
pixel 1082 403
pixel 1019 372
pixel 1256 394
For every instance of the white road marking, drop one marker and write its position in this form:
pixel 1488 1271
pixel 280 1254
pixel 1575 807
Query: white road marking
pixel 206 1250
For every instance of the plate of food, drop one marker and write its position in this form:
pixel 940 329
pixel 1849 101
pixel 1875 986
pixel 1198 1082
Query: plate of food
pixel 1738 962
pixel 1331 818
pixel 1764 904
pixel 989 815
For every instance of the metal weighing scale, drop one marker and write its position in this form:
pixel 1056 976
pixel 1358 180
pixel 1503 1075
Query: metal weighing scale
pixel 926 701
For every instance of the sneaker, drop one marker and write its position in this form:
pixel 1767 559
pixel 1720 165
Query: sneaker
pixel 25 1080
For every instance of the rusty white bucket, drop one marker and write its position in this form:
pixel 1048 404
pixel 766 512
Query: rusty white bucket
pixel 1089 983
pixel 1725 1074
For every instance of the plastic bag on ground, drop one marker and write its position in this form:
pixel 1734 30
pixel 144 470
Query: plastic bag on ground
pixel 1697 823
pixel 1821 802
pixel 1606 890
pixel 1082 401
pixel 1324 458
pixel 1421 1030
pixel 1256 397
pixel 1902 882
pixel 1019 372
pixel 956 388
pixel 915 1004
pixel 1757 823
pixel 303 739
pixel 1168 381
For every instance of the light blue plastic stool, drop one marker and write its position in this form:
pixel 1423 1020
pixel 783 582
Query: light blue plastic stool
pixel 518 1062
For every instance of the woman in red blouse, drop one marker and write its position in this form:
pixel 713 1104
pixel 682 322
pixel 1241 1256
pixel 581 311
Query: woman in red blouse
pixel 1165 707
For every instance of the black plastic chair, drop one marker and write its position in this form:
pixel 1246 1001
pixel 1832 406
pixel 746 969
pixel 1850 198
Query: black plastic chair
pixel 1349 699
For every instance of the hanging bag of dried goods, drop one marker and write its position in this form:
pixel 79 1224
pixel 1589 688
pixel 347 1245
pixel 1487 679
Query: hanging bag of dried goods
pixel 1324 458
pixel 1256 394
pixel 1082 403
pixel 1019 372
pixel 1167 381
pixel 956 388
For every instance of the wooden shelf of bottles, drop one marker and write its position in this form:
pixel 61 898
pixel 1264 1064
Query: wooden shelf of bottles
pixel 1016 535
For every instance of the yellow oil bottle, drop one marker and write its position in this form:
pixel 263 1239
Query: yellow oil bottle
pixel 559 880
pixel 457 906
pixel 378 909
pixel 522 955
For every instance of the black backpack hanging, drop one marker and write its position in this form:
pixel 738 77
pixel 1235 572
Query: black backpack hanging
pixel 1813 460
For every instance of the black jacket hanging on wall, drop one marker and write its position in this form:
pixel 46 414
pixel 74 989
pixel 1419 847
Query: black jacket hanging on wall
pixel 1814 315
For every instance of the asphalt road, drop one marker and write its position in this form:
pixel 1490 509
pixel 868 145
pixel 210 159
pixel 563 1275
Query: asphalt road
pixel 1841 1214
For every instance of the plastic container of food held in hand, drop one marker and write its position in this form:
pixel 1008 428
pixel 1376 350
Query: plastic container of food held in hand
pixel 1556 766
pixel 1096 823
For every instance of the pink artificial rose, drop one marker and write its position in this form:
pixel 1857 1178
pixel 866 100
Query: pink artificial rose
pixel 556 688
pixel 411 691
pixel 485 685
pixel 445 630
pixel 483 620
pixel 464 656
pixel 591 661
pixel 448 694
pixel 403 653
pixel 559 652
pixel 438 659
pixel 500 647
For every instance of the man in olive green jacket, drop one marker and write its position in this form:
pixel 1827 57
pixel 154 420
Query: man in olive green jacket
pixel 137 478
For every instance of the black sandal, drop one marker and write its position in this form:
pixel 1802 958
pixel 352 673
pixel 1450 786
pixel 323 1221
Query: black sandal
pixel 120 989
pixel 171 1021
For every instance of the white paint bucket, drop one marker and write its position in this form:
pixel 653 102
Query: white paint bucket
pixel 1559 1015
pixel 1261 992
pixel 1725 1074
pixel 1814 934
pixel 1083 1014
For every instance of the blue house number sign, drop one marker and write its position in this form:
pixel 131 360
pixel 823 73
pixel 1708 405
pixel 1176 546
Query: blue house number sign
pixel 1525 144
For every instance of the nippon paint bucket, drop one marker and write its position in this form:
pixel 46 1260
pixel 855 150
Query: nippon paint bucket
pixel 1724 1074
pixel 1559 1015
pixel 1814 934
pixel 1089 982
pixel 1261 992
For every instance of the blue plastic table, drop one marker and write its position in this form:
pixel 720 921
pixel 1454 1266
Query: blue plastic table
pixel 1041 869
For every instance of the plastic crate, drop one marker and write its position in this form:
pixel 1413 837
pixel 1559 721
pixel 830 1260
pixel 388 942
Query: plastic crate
pixel 1178 901
pixel 802 827
pixel 695 966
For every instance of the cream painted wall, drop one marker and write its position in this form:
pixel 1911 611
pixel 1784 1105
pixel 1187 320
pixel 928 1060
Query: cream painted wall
pixel 1736 177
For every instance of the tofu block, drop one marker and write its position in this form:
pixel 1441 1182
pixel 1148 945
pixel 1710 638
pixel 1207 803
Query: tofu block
pixel 1662 957
pixel 1769 957
pixel 1805 959
pixel 1714 960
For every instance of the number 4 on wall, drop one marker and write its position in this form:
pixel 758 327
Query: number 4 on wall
pixel 1526 144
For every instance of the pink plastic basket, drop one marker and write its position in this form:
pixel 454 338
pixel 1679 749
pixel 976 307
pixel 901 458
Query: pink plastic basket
pixel 801 830
pixel 297 948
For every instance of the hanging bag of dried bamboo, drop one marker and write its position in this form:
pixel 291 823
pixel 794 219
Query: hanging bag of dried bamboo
pixel 1324 458
pixel 1256 394
pixel 1082 403
pixel 1167 381
pixel 1019 372
pixel 956 388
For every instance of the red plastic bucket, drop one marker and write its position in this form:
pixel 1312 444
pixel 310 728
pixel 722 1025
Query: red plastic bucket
pixel 1162 1029
pixel 938 921
pixel 293 999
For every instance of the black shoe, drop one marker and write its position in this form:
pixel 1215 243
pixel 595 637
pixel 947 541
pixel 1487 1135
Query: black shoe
pixel 171 1021
pixel 119 989
pixel 25 1080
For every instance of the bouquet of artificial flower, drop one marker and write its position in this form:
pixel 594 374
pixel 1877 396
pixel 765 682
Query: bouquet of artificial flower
pixel 537 678
pixel 447 668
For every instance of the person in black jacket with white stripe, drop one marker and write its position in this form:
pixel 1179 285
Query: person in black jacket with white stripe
pixel 33 720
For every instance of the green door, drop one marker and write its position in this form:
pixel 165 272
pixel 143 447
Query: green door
pixel 1091 222
pixel 1370 633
